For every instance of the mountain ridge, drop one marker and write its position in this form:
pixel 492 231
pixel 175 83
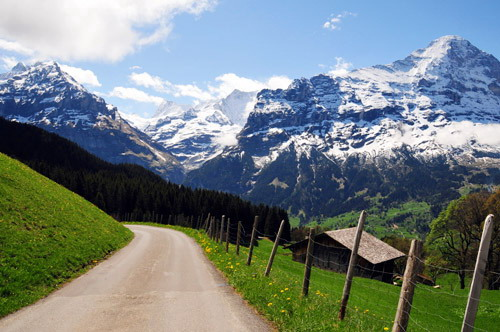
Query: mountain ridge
pixel 46 96
pixel 433 115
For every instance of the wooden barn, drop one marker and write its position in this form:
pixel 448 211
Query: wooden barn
pixel 332 251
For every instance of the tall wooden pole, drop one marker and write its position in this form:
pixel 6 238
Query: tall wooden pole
pixel 238 239
pixel 352 266
pixel 477 279
pixel 407 289
pixel 209 228
pixel 227 234
pixel 214 227
pixel 254 231
pixel 308 265
pixel 207 223
pixel 275 248
pixel 222 228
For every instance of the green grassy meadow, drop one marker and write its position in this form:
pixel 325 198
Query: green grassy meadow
pixel 402 220
pixel 372 304
pixel 48 235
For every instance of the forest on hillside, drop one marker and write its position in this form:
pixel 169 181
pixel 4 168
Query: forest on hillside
pixel 127 191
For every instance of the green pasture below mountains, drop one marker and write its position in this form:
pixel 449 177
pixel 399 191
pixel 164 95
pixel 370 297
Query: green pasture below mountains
pixel 48 235
pixel 410 219
pixel 372 304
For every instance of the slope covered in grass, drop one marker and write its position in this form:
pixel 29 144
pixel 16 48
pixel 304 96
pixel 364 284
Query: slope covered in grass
pixel 48 235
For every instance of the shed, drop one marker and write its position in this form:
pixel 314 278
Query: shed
pixel 332 251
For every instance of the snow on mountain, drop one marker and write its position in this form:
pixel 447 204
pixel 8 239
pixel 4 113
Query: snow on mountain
pixel 441 103
pixel 439 98
pixel 195 134
pixel 46 96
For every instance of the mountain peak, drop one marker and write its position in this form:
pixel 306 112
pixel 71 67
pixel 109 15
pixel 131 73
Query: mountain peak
pixel 447 46
pixel 170 108
pixel 19 68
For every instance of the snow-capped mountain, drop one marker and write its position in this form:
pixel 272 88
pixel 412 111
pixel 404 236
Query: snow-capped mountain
pixel 195 134
pixel 330 143
pixel 46 96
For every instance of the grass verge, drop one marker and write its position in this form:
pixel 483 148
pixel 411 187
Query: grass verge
pixel 372 304
pixel 48 235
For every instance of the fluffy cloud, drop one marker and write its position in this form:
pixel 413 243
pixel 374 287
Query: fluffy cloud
pixel 90 29
pixel 222 87
pixel 334 21
pixel 14 47
pixel 8 62
pixel 342 67
pixel 83 76
pixel 226 139
pixel 135 94
pixel 460 133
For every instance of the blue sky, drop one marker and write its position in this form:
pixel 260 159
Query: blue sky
pixel 136 53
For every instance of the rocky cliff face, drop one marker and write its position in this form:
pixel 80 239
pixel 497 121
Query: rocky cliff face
pixel 47 97
pixel 419 128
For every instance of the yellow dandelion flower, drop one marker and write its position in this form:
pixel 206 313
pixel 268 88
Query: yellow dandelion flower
pixel 286 288
pixel 386 329
pixel 281 291
pixel 283 310
pixel 270 284
pixel 269 304
pixel 288 299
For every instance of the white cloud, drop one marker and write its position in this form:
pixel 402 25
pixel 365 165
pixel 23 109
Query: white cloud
pixel 342 67
pixel 278 82
pixel 8 62
pixel 90 29
pixel 148 81
pixel 222 87
pixel 83 76
pixel 135 94
pixel 135 67
pixel 459 133
pixel 226 139
pixel 333 23
pixel 14 47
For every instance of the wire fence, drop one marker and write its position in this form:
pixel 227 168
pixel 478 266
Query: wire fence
pixel 377 302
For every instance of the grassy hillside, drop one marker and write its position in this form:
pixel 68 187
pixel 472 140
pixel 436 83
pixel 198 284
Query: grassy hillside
pixel 410 219
pixel 372 304
pixel 48 235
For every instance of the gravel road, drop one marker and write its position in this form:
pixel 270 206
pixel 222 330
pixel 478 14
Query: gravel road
pixel 161 281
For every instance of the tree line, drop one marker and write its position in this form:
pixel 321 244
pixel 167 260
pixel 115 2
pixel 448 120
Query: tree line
pixel 127 191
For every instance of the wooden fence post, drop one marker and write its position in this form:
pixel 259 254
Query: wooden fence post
pixel 407 289
pixel 275 248
pixel 214 227
pixel 238 238
pixel 222 228
pixel 207 223
pixel 227 234
pixel 308 264
pixel 254 231
pixel 216 232
pixel 477 279
pixel 209 229
pixel 352 265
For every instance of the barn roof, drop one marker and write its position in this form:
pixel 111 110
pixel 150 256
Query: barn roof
pixel 370 248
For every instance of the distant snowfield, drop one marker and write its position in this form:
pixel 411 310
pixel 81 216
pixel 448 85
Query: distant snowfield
pixel 195 134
